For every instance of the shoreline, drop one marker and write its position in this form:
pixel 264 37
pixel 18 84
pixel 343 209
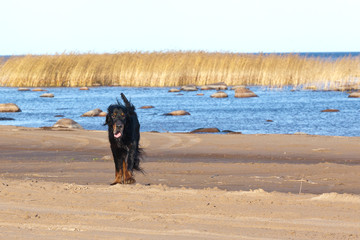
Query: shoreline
pixel 242 162
pixel 296 148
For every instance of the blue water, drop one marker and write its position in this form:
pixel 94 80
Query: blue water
pixel 290 111
pixel 327 55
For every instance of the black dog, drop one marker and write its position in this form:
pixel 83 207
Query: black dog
pixel 124 137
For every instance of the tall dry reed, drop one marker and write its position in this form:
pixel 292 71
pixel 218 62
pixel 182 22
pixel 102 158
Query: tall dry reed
pixel 159 69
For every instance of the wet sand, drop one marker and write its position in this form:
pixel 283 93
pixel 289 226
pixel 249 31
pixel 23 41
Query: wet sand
pixel 55 184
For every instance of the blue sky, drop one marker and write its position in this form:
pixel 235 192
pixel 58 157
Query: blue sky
pixel 108 26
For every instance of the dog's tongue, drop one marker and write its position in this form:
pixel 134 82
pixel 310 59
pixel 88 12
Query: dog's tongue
pixel 117 135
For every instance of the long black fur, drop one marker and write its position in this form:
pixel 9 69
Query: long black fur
pixel 122 118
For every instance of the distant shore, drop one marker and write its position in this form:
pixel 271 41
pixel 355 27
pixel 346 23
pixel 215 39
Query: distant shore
pixel 160 69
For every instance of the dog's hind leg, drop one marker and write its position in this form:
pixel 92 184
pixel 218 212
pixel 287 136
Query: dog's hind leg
pixel 128 177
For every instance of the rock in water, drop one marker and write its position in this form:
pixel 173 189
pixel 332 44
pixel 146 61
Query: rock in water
pixel 49 95
pixel 243 92
pixel 67 123
pixel 92 113
pixel 38 90
pixel 23 89
pixel 219 94
pixel 146 107
pixel 6 119
pixel 174 90
pixel 330 110
pixel 189 88
pixel 102 114
pixel 215 86
pixel 177 113
pixel 205 130
pixel 355 95
pixel 9 107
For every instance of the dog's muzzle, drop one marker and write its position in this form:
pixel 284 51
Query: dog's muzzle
pixel 118 129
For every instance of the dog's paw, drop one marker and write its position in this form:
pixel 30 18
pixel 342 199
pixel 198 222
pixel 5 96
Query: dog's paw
pixel 116 182
pixel 130 181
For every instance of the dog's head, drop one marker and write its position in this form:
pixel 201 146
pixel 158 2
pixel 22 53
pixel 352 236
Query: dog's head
pixel 116 120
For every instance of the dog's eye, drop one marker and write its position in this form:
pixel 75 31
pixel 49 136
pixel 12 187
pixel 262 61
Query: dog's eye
pixel 122 114
pixel 114 115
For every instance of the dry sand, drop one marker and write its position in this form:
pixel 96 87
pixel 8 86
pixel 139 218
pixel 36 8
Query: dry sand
pixel 55 185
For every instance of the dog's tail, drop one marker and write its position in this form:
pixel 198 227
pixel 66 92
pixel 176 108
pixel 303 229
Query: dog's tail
pixel 128 105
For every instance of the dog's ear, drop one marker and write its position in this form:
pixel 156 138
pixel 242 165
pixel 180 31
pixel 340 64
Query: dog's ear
pixel 107 119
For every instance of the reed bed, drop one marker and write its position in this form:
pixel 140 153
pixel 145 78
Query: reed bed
pixel 160 69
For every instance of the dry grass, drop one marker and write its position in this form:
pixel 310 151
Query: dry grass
pixel 159 69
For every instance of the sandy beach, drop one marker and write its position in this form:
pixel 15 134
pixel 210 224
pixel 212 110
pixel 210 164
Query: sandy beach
pixel 54 184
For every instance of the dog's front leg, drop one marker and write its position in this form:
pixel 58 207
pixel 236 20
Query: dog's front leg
pixel 118 167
